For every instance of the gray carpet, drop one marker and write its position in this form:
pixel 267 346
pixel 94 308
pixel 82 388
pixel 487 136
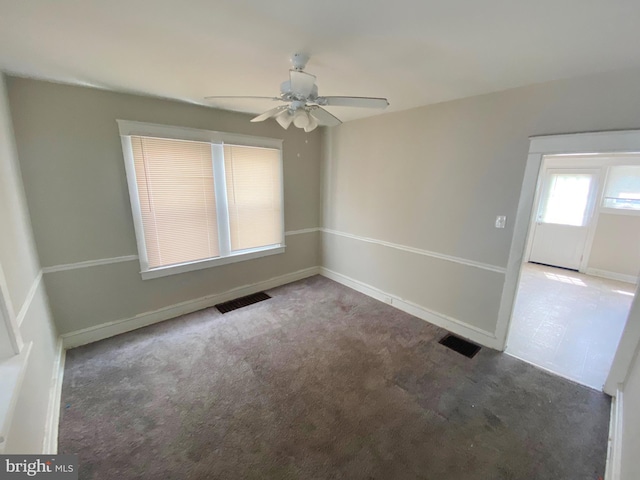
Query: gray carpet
pixel 320 382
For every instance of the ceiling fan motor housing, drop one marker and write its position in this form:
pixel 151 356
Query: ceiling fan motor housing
pixel 299 60
pixel 287 92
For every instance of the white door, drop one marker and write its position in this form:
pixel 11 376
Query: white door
pixel 563 218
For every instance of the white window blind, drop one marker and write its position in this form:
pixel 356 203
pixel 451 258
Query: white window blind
pixel 253 196
pixel 201 198
pixel 177 199
pixel 623 188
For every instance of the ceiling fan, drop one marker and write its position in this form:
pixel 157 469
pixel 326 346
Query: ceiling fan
pixel 303 105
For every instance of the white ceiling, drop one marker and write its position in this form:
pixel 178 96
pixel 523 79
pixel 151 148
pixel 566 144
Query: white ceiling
pixel 414 52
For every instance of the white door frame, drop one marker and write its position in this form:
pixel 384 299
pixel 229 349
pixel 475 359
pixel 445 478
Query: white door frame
pixel 624 141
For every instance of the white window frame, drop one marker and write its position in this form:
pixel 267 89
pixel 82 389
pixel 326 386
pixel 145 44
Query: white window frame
pixel 217 140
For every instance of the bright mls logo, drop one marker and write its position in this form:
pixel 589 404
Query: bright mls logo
pixel 52 467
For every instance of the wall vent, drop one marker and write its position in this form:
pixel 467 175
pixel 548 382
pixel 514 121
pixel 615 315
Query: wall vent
pixel 460 345
pixel 231 305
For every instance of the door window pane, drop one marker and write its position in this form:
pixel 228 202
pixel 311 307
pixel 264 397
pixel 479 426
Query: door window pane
pixel 567 199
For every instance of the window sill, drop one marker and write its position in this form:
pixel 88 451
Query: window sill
pixel 212 262
pixel 12 371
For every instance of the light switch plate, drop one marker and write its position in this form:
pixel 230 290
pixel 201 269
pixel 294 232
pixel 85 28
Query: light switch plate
pixel 501 221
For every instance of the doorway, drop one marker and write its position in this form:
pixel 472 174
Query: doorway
pixel 570 306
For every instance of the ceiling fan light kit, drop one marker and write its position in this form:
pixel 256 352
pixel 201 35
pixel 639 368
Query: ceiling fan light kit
pixel 313 123
pixel 304 107
pixel 284 119
pixel 301 118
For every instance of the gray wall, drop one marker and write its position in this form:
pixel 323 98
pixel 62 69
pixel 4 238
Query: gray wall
pixel 431 181
pixel 75 183
pixel 21 269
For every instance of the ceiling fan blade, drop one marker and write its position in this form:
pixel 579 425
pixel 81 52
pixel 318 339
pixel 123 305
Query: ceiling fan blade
pixel 364 102
pixel 302 83
pixel 223 97
pixel 324 117
pixel 269 113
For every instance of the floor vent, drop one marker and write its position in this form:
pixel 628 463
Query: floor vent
pixel 460 345
pixel 242 302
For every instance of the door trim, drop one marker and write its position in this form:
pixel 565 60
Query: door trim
pixel 624 141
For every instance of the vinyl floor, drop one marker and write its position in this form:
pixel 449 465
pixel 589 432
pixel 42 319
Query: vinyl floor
pixel 569 323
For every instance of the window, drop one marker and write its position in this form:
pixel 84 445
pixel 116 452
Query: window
pixel 567 199
pixel 202 198
pixel 623 188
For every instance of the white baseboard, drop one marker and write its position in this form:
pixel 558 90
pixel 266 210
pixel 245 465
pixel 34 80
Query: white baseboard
pixel 50 442
pixel 614 451
pixel 110 329
pixel 612 275
pixel 453 325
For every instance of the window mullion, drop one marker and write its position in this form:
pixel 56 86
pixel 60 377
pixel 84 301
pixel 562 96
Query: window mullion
pixel 222 207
